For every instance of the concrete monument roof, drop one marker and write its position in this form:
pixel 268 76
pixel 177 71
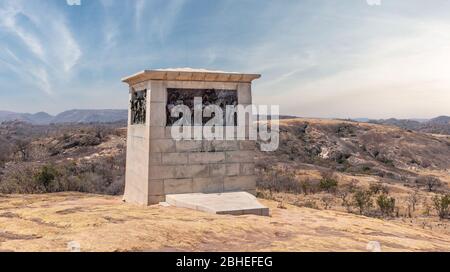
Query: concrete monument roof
pixel 189 74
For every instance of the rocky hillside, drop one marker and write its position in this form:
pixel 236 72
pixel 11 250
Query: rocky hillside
pixel 65 157
pixel 361 148
pixel 375 170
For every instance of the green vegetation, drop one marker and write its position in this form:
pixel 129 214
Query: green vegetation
pixel 442 205
pixel 386 204
pixel 328 184
pixel 362 199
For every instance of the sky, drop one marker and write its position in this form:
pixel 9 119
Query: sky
pixel 318 58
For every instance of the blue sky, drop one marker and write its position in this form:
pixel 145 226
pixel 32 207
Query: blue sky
pixel 318 58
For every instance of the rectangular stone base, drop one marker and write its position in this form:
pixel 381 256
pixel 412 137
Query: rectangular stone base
pixel 234 203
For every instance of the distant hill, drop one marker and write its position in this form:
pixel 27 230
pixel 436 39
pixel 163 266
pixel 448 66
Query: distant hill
pixel 438 125
pixel 40 118
pixel 91 116
pixel 401 123
pixel 71 116
pixel 441 120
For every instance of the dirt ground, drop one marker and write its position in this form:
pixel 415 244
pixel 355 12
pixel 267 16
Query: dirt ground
pixel 102 223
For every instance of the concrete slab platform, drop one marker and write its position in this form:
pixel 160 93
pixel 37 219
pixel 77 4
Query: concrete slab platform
pixel 234 203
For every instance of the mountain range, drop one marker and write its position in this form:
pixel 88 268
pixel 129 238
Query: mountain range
pixel 71 116
pixel 438 125
pixel 75 116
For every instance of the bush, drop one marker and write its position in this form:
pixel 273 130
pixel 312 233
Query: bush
pixel 280 180
pixel 328 182
pixel 310 204
pixel 306 186
pixel 442 205
pixel 105 176
pixel 19 181
pixel 362 200
pixel 386 204
pixel 46 175
pixel 377 188
pixel 329 185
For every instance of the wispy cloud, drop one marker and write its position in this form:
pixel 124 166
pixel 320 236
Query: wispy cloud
pixel 139 7
pixel 47 38
pixel 402 75
pixel 35 75
pixel 67 49
pixel 8 19
pixel 320 58
pixel 165 20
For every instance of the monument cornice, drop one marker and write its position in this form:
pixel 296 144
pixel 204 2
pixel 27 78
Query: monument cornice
pixel 189 74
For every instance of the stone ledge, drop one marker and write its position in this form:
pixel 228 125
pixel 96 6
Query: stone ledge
pixel 189 74
pixel 233 203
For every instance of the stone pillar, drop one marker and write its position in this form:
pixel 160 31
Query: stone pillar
pixel 158 165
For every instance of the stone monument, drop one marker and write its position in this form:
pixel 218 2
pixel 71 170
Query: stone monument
pixel 159 165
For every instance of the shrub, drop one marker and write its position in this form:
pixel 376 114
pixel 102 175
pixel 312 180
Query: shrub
pixel 385 160
pixel 280 180
pixel 362 200
pixel 309 204
pixel 329 185
pixel 105 176
pixel 345 192
pixel 306 186
pixel 386 204
pixel 46 175
pixel 377 188
pixel 442 205
pixel 19 181
pixel 341 158
pixel 328 182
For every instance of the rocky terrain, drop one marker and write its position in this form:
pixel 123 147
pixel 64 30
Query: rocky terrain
pixel 361 148
pixel 359 168
pixel 332 185
pixel 101 223
pixel 55 158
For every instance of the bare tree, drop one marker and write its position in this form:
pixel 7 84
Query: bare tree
pixel 430 182
pixel 23 148
pixel 413 199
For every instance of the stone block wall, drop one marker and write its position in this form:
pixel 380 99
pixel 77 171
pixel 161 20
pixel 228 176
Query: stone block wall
pixel 158 165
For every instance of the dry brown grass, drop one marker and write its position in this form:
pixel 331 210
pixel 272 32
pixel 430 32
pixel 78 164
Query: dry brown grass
pixel 101 223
